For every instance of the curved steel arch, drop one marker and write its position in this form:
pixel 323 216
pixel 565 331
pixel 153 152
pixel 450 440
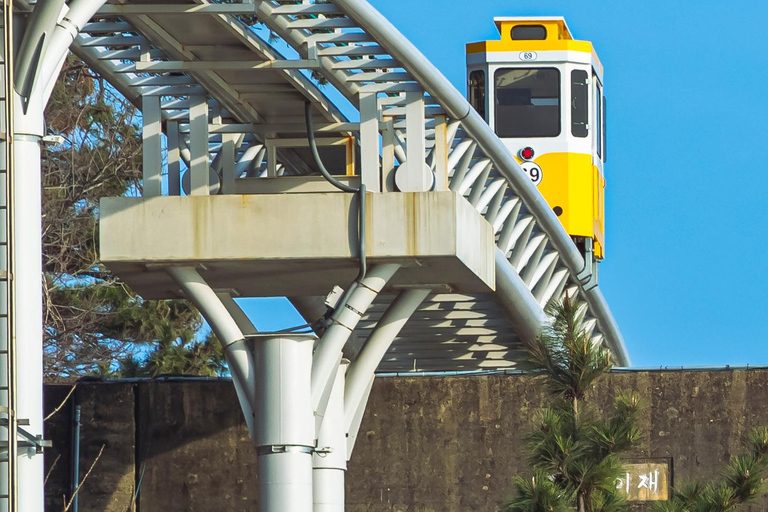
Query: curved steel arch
pixel 360 53
pixel 527 312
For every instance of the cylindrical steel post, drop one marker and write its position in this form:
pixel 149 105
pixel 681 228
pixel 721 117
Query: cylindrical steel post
pixel 28 130
pixel 284 421
pixel 328 490
pixel 330 459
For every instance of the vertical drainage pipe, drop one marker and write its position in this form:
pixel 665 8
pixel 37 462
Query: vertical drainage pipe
pixel 75 457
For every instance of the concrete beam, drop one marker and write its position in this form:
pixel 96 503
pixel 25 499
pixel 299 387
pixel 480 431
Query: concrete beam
pixel 303 243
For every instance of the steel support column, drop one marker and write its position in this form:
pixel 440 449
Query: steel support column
pixel 330 459
pixel 28 296
pixel 236 351
pixel 284 428
pixel 329 350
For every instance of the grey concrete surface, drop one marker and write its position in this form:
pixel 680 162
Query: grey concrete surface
pixel 438 237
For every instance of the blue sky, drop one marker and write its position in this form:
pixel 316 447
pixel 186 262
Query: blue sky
pixel 685 266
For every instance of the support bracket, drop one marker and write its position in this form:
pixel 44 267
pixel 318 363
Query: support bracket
pixel 29 440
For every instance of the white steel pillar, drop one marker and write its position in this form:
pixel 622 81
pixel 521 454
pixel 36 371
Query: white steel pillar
pixel 27 133
pixel 34 80
pixel 199 169
pixel 414 175
pixel 440 153
pixel 284 422
pixel 226 159
pixel 330 459
pixel 174 159
pixel 152 150
pixel 369 142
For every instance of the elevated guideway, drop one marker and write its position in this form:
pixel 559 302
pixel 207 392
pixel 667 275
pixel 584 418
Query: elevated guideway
pixel 254 92
pixel 455 252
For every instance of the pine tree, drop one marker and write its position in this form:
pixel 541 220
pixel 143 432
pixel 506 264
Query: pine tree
pixel 575 455
pixel 741 482
pixel 94 324
pixel 575 452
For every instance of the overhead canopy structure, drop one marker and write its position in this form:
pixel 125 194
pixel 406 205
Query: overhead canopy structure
pixel 257 63
pixel 463 253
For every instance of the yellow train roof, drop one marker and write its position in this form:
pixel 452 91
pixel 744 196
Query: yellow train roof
pixel 559 21
pixel 559 37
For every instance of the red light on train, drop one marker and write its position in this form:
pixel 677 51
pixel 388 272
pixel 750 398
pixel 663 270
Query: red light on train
pixel 527 153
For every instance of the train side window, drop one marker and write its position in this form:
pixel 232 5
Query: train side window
pixel 527 102
pixel 529 33
pixel 598 119
pixel 477 91
pixel 605 130
pixel 579 103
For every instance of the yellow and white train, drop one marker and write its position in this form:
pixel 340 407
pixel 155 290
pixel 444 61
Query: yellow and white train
pixel 542 92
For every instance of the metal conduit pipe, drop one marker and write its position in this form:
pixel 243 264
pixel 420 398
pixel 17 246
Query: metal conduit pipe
pixel 475 126
pixel 236 351
pixel 328 352
pixel 362 370
pixel 75 476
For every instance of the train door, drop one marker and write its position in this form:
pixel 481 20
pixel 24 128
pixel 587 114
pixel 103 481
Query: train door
pixel 598 159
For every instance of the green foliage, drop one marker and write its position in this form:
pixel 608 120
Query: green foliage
pixel 564 353
pixel 94 324
pixel 203 358
pixel 741 482
pixel 575 450
pixel 539 494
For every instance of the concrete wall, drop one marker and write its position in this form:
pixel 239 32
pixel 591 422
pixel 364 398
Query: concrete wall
pixel 426 444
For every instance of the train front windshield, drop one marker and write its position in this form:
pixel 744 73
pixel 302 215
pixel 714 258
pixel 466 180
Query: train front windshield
pixel 527 102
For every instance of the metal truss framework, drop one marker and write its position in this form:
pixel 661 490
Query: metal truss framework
pixel 225 104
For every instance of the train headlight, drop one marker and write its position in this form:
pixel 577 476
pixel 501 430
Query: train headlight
pixel 527 153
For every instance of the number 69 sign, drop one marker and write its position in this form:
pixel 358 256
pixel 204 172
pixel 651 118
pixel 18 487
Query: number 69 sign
pixel 533 171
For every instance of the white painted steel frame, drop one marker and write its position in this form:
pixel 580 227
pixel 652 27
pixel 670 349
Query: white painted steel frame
pixel 478 130
pixel 27 132
pixel 528 226
pixel 543 245
pixel 281 386
pixel 536 260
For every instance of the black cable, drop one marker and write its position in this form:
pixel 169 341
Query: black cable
pixel 363 268
pixel 313 146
